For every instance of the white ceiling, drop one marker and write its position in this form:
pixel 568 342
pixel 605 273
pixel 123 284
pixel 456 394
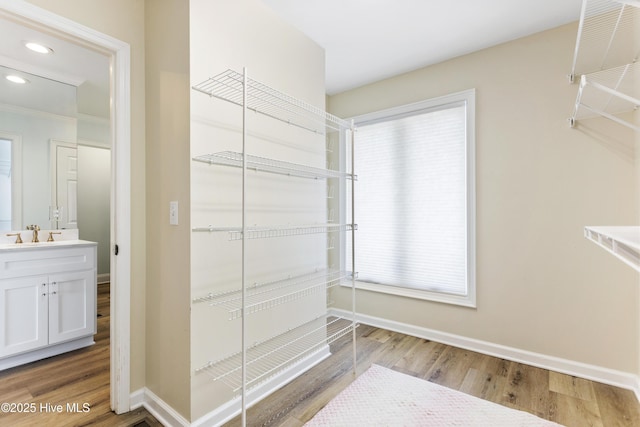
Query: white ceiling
pixel 364 40
pixel 369 40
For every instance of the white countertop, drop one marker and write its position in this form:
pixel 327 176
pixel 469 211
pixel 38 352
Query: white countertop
pixel 44 245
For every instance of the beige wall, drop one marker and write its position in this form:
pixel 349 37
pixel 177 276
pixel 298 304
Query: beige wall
pixel 124 20
pixel 541 286
pixel 167 158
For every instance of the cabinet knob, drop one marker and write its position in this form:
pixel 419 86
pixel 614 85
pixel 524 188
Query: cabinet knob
pixel 44 294
pixel 53 293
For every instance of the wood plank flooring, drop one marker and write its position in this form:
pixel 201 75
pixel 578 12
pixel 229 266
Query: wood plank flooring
pixel 567 400
pixel 78 377
pixel 82 376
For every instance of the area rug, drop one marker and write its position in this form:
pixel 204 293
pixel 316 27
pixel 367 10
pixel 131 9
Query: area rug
pixel 383 397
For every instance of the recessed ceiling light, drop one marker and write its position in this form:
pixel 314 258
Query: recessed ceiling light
pixel 37 47
pixel 16 79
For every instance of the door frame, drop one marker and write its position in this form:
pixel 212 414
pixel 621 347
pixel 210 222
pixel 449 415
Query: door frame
pixel 120 60
pixel 53 165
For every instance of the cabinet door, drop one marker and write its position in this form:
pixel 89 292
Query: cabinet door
pixel 72 305
pixel 24 319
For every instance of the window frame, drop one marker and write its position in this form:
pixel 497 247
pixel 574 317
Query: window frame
pixel 433 104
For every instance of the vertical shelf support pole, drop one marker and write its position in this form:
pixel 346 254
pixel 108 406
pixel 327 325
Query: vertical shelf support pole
pixel 244 241
pixel 353 249
pixel 583 11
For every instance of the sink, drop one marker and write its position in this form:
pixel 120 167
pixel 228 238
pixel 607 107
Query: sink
pixel 8 242
pixel 40 245
pixel 66 238
pixel 18 245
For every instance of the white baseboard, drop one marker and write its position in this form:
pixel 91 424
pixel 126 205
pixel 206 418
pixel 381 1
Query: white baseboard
pixel 104 278
pixel 591 372
pixel 168 417
pixel 157 407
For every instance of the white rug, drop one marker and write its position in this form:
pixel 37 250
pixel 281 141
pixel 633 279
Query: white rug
pixel 383 397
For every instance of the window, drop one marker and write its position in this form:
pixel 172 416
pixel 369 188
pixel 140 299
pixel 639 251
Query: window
pixel 415 199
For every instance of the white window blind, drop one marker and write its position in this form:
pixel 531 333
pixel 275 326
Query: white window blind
pixel 413 197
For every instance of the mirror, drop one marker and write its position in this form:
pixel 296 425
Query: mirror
pixel 32 114
pixel 64 106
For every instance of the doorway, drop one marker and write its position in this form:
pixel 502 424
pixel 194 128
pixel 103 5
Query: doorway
pixel 118 53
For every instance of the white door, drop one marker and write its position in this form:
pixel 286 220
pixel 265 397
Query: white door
pixel 23 319
pixel 72 305
pixel 67 186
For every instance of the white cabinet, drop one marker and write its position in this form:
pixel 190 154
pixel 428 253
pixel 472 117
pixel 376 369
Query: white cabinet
pixel 47 301
pixel 72 306
pixel 24 322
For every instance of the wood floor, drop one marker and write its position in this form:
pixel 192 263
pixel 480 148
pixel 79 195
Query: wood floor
pixel 78 377
pixel 82 376
pixel 567 400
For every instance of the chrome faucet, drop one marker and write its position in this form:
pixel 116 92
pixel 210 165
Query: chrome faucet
pixel 35 229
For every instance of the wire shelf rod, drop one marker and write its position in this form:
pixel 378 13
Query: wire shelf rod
pixel 266 304
pixel 611 117
pixel 231 296
pixel 262 164
pixel 271 102
pixel 272 356
pixel 606 93
pixel 235 233
pixel 605 35
pixel 268 295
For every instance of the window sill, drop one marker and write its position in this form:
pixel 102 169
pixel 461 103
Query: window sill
pixel 463 301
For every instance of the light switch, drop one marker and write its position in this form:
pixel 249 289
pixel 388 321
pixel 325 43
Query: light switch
pixel 173 213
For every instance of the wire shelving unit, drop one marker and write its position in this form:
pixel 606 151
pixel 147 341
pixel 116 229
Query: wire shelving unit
pixel 605 59
pixel 268 358
pixel 262 164
pixel 270 102
pixel 606 93
pixel 256 363
pixel 236 233
pixel 263 296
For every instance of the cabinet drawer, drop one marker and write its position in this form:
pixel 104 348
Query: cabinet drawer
pixel 46 261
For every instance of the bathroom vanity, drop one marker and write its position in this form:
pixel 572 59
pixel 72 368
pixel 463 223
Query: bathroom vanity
pixel 48 299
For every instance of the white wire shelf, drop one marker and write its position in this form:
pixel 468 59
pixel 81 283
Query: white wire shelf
pixel 607 93
pixel 270 102
pixel 606 35
pixel 621 241
pixel 235 233
pixel 268 358
pixel 265 296
pixel 262 164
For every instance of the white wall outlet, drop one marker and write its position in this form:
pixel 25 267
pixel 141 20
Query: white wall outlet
pixel 173 213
